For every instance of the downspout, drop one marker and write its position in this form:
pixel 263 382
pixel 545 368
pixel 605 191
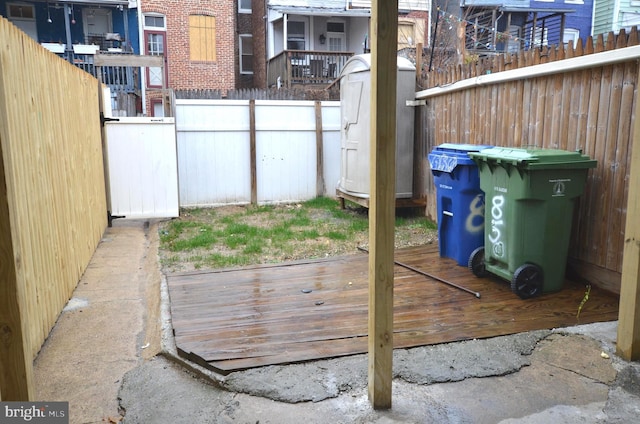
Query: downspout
pixel 143 74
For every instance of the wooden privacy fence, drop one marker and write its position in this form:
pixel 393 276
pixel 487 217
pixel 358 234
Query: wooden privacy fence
pixel 256 151
pixel 579 100
pixel 52 197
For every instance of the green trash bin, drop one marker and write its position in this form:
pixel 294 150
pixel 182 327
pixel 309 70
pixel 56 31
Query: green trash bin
pixel 529 203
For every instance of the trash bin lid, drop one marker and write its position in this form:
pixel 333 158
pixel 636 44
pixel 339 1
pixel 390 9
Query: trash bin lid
pixel 447 156
pixel 535 158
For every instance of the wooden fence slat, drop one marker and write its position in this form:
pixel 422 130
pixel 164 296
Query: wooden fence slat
pixel 623 166
pixel 605 149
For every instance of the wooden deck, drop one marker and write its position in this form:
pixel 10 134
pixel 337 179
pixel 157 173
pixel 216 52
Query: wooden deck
pixel 236 319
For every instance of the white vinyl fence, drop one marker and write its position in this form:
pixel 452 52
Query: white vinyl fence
pixel 217 140
pixel 141 168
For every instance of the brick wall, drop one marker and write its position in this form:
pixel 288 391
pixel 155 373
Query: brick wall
pixel 259 43
pixel 182 72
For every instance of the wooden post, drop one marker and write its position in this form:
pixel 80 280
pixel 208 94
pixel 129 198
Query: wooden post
pixel 384 24
pixel 16 365
pixel 628 344
pixel 252 152
pixel 319 150
pixel 167 102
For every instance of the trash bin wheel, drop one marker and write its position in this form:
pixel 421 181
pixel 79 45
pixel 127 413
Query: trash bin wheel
pixel 476 263
pixel 527 281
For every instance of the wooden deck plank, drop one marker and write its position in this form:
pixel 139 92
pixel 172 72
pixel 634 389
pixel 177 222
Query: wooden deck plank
pixel 234 319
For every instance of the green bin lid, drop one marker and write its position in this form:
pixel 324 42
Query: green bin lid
pixel 534 158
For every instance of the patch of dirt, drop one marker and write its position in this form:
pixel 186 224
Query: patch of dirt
pixel 415 231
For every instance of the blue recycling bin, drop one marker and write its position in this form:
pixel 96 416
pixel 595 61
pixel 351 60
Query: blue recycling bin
pixel 460 201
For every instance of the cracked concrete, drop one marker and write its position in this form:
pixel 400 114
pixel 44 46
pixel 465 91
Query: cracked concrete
pixel 111 355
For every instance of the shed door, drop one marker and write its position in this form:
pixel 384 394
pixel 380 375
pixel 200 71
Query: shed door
pixel 355 133
pixel 142 167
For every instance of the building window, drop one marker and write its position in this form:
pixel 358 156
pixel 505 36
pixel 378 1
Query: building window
pixel 410 32
pixel 157 108
pixel 539 37
pixel 296 40
pixel 246 54
pixel 244 6
pixel 202 38
pixel 155 45
pixel 24 17
pixel 406 34
pixel 571 36
pixel 295 35
pixel 21 11
pixel 336 36
pixel 154 21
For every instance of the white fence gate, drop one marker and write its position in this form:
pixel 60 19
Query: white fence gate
pixel 214 151
pixel 142 167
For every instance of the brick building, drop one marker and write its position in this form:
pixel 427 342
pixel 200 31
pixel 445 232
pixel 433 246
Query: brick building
pixel 197 38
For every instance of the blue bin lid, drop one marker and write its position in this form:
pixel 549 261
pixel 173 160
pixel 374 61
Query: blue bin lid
pixel 447 156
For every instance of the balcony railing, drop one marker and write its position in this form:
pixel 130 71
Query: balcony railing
pixel 118 78
pixel 294 68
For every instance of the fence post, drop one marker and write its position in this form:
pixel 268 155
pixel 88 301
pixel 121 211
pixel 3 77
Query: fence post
pixel 628 345
pixel 384 68
pixel 252 151
pixel 319 150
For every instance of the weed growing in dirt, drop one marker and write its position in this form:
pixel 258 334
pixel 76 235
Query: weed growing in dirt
pixel 233 236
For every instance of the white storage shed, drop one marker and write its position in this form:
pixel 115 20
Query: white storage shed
pixel 355 114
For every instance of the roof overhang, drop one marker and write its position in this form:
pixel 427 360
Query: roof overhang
pixel 320 11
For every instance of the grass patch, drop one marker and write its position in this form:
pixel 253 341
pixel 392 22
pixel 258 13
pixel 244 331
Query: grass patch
pixel 336 235
pixel 236 236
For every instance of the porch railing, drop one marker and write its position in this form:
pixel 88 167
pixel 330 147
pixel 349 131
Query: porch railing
pixel 305 68
pixel 118 78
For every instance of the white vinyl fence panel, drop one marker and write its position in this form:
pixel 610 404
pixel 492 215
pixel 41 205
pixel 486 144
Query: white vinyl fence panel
pixel 213 152
pixel 214 159
pixel 331 147
pixel 142 167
